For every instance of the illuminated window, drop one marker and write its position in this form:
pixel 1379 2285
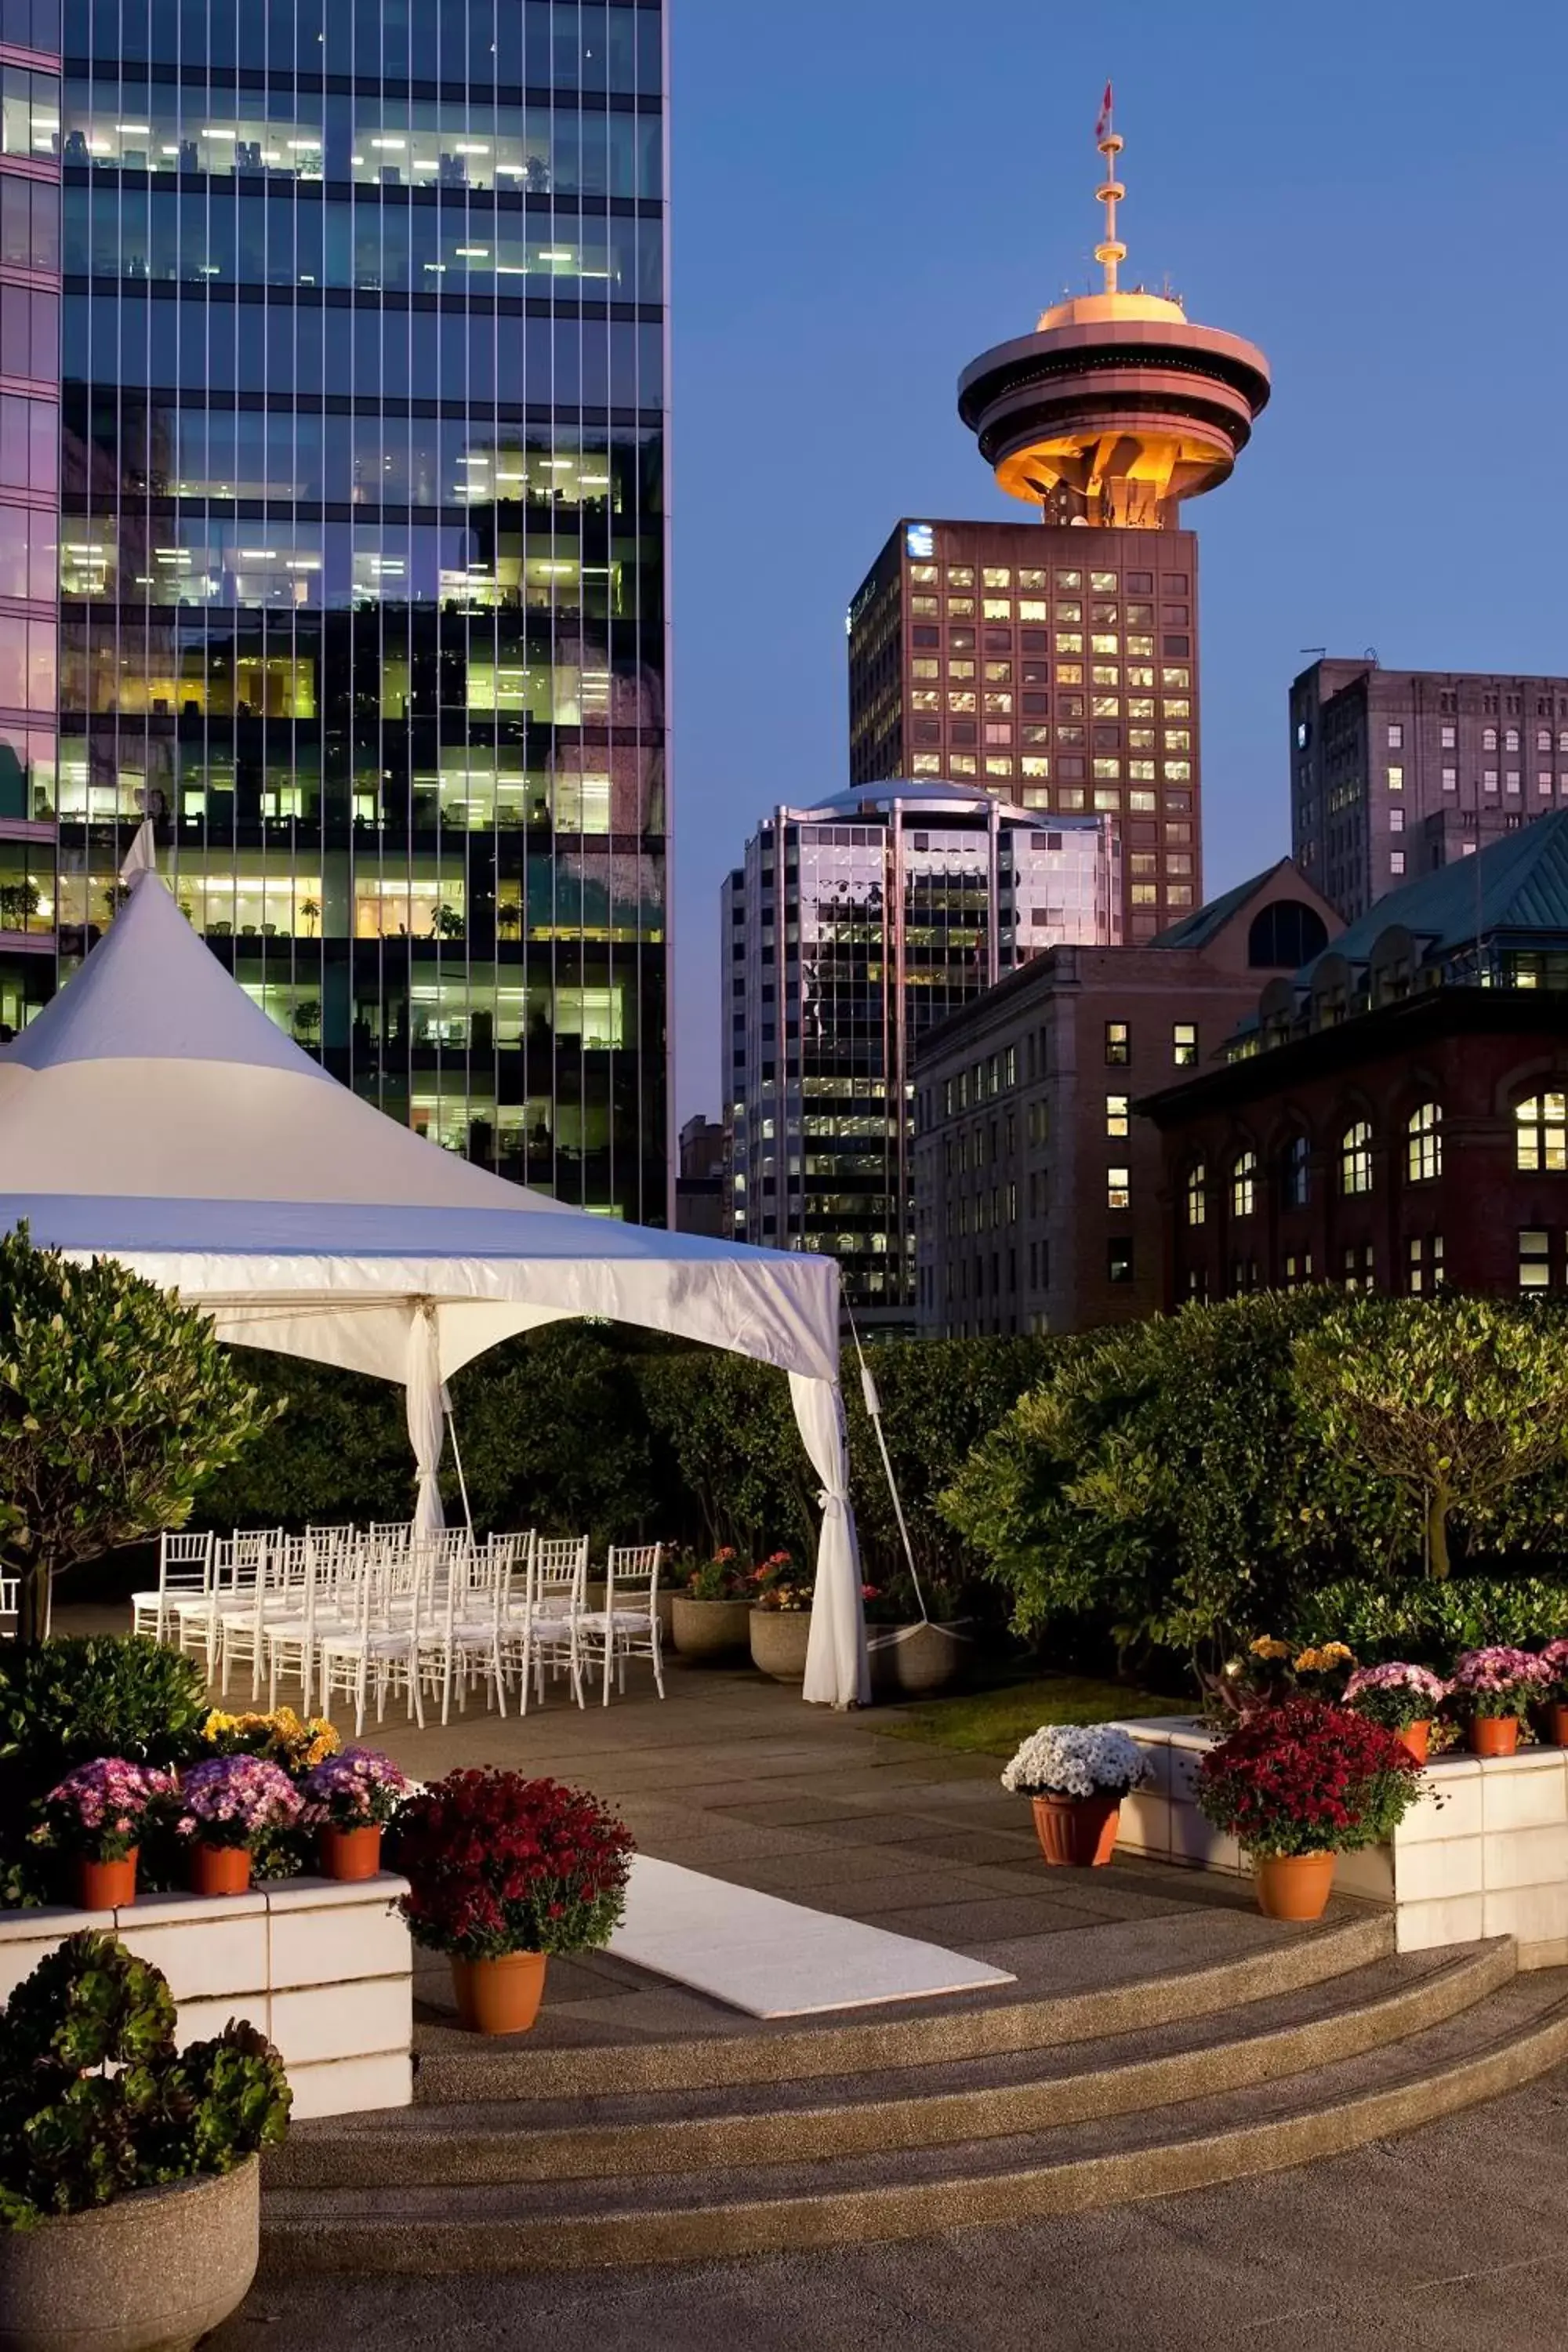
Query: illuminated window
pixel 961 608
pixel 1141 803
pixel 1395 735
pixel 1396 861
pixel 1355 1158
pixel 1244 1184
pixel 1102 642
pixel 1119 1259
pixel 1395 780
pixel 1118 1188
pixel 1175 681
pixel 1116 1114
pixel 1069 641
pixel 1118 1045
pixel 1102 583
pixel 1424 1143
pixel 1185 1044
pixel 1197 1193
pixel 960 576
pixel 963 700
pixel 925 666
pixel 998 704
pixel 1540 1134
pixel 1534 1259
pixel 1032 580
pixel 1032 608
pixel 1424 1263
pixel 923 574
pixel 1069 580
pixel 1144 894
pixel 1450 779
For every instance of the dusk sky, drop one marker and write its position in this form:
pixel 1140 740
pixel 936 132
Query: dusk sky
pixel 868 192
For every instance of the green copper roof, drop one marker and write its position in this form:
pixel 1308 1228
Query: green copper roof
pixel 1518 886
pixel 1197 930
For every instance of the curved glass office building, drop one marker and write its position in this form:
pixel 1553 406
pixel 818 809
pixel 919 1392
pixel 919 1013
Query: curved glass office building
pixel 363 542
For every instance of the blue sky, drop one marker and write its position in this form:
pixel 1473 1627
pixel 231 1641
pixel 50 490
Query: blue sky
pixel 869 192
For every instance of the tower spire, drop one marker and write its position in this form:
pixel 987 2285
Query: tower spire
pixel 1110 251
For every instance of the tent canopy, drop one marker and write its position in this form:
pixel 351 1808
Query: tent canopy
pixel 154 1113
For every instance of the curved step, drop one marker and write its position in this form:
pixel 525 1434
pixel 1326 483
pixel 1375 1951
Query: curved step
pixel 1516 2033
pixel 633 2135
pixel 451 2071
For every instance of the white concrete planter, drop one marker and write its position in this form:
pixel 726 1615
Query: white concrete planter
pixel 1484 1852
pixel 323 1967
pixel 151 2272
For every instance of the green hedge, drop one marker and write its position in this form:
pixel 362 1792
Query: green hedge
pixel 588 1427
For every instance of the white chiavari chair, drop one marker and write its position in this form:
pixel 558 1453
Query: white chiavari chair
pixel 184 1573
pixel 376 1646
pixel 627 1625
pixel 544 1628
pixel 275 1595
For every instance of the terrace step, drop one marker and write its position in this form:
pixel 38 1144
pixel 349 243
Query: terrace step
pixel 453 2069
pixel 895 2149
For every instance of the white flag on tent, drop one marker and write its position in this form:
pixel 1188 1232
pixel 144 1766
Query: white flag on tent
pixel 141 857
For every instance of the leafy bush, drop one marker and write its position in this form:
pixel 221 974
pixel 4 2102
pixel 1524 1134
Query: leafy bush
pixel 116 1405
pixel 1454 1400
pixel 498 1863
pixel 1307 1778
pixel 1161 1483
pixel 1431 1618
pixel 94 2101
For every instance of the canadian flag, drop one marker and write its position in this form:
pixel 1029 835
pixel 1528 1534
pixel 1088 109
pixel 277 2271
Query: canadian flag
pixel 1103 125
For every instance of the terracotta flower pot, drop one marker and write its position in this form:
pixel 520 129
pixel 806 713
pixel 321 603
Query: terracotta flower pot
pixel 351 1854
pixel 1555 1719
pixel 779 1637
pixel 1079 1831
pixel 1294 1885
pixel 1418 1736
pixel 105 1885
pixel 709 1628
pixel 1494 1735
pixel 220 1869
pixel 500 1996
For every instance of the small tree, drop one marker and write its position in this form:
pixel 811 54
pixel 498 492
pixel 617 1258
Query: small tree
pixel 1454 1400
pixel 116 1403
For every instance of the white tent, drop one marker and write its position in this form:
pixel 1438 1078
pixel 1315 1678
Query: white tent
pixel 154 1113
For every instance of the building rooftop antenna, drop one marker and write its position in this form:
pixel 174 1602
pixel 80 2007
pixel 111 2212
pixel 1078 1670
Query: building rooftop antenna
pixel 1110 252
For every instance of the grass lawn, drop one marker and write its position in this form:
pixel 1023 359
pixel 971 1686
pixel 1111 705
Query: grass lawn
pixel 993 1722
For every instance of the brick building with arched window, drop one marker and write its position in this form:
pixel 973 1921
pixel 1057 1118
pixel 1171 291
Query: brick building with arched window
pixel 1395 1117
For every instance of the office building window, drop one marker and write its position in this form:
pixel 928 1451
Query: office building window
pixel 1116 1114
pixel 1534 1259
pixel 1118 1188
pixel 1244 1184
pixel 1424 1143
pixel 1355 1158
pixel 1119 1259
pixel 1197 1193
pixel 1184 1043
pixel 1540 1134
pixel 1118 1045
pixel 1298 1172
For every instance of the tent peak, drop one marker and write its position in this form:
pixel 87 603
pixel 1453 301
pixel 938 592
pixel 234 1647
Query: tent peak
pixel 153 989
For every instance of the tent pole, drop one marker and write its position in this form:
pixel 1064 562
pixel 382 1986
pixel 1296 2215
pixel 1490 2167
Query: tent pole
pixel 462 1482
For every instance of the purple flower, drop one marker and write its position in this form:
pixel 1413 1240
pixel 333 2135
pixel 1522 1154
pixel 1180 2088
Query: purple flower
pixel 236 1793
pixel 102 1808
pixel 353 1789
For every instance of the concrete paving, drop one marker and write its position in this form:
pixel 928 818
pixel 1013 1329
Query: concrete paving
pixel 1447 2238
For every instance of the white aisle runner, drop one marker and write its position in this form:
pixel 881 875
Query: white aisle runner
pixel 774 1958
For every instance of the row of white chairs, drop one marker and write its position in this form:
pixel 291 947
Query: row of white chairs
pixel 377 1613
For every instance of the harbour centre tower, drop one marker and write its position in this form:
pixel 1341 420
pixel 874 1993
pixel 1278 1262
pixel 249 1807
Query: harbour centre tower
pixel 362 542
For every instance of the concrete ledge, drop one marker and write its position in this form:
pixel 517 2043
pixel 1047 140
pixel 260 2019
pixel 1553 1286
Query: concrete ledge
pixel 1485 1851
pixel 323 1968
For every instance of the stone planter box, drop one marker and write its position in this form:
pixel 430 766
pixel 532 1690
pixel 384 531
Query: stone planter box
pixel 323 1968
pixel 151 2272
pixel 709 1628
pixel 1485 1851
pixel 779 1637
pixel 918 1661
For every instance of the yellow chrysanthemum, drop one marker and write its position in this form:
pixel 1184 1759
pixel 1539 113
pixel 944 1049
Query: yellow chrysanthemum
pixel 1266 1646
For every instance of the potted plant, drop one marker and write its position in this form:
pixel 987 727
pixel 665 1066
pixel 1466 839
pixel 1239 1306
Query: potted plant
pixel 1403 1698
pixel 349 1799
pixel 98 1815
pixel 502 1872
pixel 129 2191
pixel 780 1620
pixel 915 1651
pixel 711 1616
pixel 1296 1784
pixel 1554 1695
pixel 226 1805
pixel 1493 1687
pixel 1272 1671
pixel 1076 1776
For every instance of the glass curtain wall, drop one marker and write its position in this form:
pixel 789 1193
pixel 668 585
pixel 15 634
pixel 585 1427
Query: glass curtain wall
pixel 362 549
pixel 29 504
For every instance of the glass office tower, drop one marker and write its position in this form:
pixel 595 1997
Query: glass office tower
pixel 29 473
pixel 363 537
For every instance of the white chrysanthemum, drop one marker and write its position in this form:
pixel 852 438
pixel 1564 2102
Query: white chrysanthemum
pixel 1067 1760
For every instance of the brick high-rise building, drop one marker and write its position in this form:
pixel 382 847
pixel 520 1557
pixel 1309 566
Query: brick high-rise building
pixel 1055 668
pixel 1398 771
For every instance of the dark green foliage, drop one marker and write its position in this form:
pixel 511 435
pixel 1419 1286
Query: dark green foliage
pixel 1160 1484
pixel 1429 1620
pixel 117 1405
pixel 587 1426
pixel 68 1701
pixel 94 2101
